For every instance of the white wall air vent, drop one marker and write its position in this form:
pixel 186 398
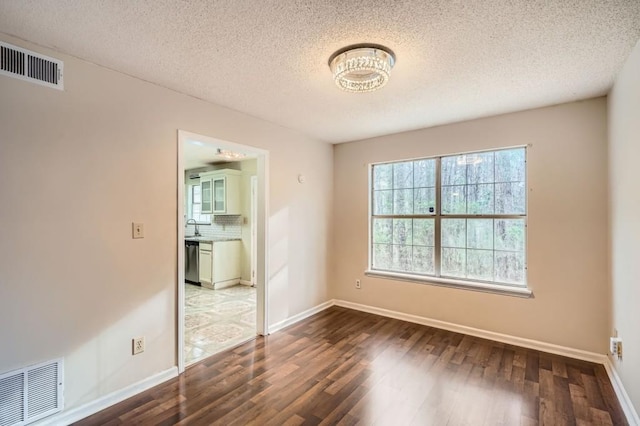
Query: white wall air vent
pixel 30 66
pixel 31 393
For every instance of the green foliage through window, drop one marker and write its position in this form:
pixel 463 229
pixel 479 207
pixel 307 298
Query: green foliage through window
pixel 480 221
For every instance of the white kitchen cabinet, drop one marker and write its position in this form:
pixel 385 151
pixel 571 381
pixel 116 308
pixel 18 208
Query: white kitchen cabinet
pixel 205 258
pixel 206 206
pixel 220 264
pixel 223 188
pixel 219 185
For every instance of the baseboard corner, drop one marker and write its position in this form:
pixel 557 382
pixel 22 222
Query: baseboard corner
pixel 299 317
pixel 623 397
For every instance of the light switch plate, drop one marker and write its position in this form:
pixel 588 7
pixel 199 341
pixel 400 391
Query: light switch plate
pixel 137 230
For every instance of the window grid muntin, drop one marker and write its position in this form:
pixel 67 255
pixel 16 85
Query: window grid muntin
pixel 496 251
pixel 438 216
pixel 394 244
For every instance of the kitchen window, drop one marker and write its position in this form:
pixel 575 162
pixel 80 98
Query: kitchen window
pixel 457 220
pixel 194 207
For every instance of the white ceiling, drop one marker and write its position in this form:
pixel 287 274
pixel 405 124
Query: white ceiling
pixel 196 154
pixel 456 60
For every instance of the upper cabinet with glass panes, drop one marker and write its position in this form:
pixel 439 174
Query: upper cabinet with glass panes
pixel 221 192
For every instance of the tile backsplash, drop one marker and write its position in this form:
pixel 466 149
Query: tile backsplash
pixel 221 227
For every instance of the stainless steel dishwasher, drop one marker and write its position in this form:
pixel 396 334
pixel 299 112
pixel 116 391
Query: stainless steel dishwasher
pixel 191 267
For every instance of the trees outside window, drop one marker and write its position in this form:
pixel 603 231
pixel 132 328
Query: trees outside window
pixel 460 216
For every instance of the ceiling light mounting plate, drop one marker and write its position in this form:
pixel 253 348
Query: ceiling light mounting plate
pixel 362 67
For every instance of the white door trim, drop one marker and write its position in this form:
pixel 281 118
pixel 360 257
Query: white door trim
pixel 180 246
pixel 262 157
pixel 254 230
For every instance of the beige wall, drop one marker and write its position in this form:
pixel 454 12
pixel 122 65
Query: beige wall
pixel 76 168
pixel 624 173
pixel 567 235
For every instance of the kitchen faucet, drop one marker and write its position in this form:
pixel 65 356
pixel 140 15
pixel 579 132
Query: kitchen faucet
pixel 197 233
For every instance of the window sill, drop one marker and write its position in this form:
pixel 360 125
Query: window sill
pixel 507 290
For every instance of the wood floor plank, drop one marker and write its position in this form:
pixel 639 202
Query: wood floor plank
pixel 608 396
pixel 580 403
pixel 330 413
pixel 532 367
pixel 559 368
pixel 348 367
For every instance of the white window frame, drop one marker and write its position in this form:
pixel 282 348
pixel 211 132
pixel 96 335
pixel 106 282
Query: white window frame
pixel 519 290
pixel 190 203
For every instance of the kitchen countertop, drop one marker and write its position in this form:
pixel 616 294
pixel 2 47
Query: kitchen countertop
pixel 210 239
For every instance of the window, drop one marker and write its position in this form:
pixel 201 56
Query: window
pixel 460 218
pixel 194 207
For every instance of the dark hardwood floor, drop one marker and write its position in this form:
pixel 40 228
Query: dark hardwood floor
pixel 347 367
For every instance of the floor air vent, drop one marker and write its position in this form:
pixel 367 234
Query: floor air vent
pixel 31 393
pixel 30 66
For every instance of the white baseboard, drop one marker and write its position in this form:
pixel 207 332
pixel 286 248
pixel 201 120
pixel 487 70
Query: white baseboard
pixel 83 411
pixel 73 415
pixel 224 284
pixel 299 317
pixel 499 337
pixel 245 282
pixel 618 387
pixel 627 406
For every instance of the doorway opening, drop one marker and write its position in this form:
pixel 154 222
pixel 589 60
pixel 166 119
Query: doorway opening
pixel 221 229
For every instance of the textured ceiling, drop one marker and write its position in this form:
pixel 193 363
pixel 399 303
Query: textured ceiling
pixel 456 60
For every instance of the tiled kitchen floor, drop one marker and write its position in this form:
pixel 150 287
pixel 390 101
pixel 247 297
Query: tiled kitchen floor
pixel 217 319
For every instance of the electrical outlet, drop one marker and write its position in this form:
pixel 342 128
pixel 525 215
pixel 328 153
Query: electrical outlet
pixel 137 230
pixel 138 345
pixel 358 285
pixel 615 347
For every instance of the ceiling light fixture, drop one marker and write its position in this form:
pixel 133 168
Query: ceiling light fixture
pixel 362 67
pixel 229 155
